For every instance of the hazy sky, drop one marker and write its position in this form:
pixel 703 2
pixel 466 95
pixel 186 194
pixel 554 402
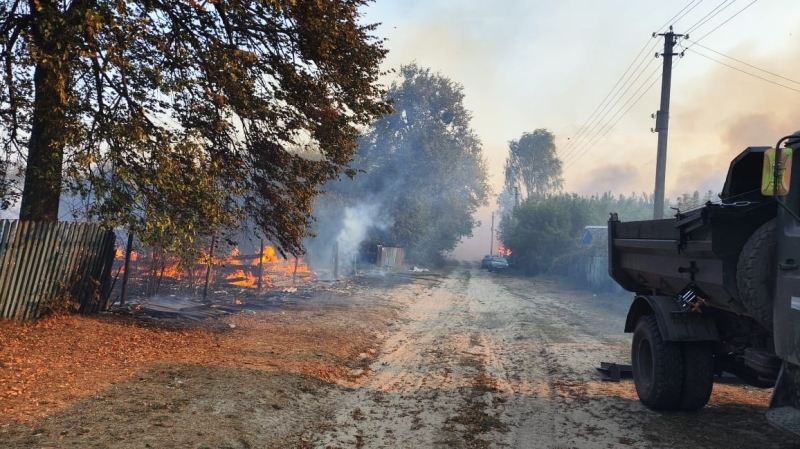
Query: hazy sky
pixel 550 63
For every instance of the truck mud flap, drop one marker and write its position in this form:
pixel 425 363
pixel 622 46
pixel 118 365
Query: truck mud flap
pixel 673 323
pixel 783 413
pixel 785 418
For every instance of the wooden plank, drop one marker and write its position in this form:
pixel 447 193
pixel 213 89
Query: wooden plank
pixel 21 257
pixel 31 277
pixel 59 276
pixel 50 282
pixel 87 285
pixel 9 270
pixel 44 255
pixel 81 236
pixel 4 237
pixel 105 275
pixel 90 253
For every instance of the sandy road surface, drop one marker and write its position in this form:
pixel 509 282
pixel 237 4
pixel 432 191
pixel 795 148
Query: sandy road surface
pixel 464 359
pixel 481 359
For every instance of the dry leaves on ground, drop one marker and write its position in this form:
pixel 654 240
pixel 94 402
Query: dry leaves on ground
pixel 48 364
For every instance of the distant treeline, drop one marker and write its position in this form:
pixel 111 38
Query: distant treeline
pixel 542 232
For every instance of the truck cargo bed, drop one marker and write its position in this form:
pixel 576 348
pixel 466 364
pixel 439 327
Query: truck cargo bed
pixel 699 247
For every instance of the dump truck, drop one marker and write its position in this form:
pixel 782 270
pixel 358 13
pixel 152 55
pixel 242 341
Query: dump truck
pixel 717 289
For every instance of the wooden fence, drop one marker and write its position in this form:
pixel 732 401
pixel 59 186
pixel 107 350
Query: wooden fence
pixel 42 263
pixel 389 257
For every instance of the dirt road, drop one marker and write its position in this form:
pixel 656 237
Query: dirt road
pixel 455 359
pixel 485 360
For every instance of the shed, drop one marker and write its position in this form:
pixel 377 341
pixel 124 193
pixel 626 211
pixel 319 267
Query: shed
pixel 595 237
pixel 593 259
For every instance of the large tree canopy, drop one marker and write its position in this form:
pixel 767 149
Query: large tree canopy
pixel 533 165
pixel 423 166
pixel 176 117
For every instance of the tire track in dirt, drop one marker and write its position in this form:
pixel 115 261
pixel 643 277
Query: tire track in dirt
pixel 419 381
pixel 553 356
pixel 486 360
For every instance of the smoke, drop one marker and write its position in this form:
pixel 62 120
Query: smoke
pixel 610 178
pixel 357 221
pixel 726 111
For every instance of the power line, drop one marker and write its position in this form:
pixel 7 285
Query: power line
pixel 604 127
pixel 672 21
pixel 746 72
pixel 744 63
pixel 610 106
pixel 723 23
pixel 582 150
pixel 711 13
pixel 583 127
pixel 612 125
pixel 589 124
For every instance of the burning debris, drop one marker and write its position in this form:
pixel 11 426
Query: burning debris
pixel 153 273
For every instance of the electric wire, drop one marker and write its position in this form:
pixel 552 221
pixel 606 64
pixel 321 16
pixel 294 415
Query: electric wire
pixel 673 20
pixel 746 72
pixel 581 153
pixel 602 103
pixel 723 23
pixel 587 125
pixel 712 14
pixel 744 63
pixel 609 126
pixel 610 106
pixel 605 128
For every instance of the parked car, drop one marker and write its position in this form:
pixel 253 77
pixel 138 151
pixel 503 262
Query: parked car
pixel 497 263
pixel 485 261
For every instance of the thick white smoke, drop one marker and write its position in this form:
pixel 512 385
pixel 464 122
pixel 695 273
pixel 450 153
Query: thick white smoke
pixel 357 221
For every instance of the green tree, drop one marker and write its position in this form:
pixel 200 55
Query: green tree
pixel 687 202
pixel 533 165
pixel 538 232
pixel 173 118
pixel 423 165
pixel 629 208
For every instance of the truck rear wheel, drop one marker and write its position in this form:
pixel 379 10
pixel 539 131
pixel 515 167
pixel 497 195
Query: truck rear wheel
pixel 657 366
pixel 755 273
pixel 698 374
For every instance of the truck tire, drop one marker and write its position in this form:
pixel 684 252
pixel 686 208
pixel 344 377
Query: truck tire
pixel 755 273
pixel 698 374
pixel 657 366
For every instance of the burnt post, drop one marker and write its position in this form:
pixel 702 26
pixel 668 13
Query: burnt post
pixel 336 260
pixel 210 262
pixel 126 274
pixel 261 265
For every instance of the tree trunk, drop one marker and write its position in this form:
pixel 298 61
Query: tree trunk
pixel 49 126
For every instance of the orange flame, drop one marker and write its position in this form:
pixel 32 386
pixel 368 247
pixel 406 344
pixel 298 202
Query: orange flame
pixel 234 269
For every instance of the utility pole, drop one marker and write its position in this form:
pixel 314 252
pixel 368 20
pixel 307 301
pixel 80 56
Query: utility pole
pixel 491 237
pixel 662 121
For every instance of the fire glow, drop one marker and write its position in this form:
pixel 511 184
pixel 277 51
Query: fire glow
pixel 503 251
pixel 234 269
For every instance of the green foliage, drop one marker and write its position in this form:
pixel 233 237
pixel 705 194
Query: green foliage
pixel 175 119
pixel 539 232
pixel 688 202
pixel 533 165
pixel 637 206
pixel 423 165
pixel 542 235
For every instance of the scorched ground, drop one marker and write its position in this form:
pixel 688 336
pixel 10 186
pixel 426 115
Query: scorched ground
pixel 460 358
